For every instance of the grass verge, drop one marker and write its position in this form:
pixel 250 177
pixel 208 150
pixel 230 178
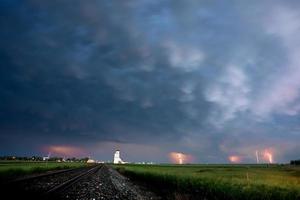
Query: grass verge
pixel 218 182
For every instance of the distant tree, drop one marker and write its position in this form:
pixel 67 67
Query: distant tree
pixel 55 159
pixel 38 158
pixel 295 162
pixel 84 159
pixel 73 159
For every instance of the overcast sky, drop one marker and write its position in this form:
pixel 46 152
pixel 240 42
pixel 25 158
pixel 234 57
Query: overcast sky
pixel 207 78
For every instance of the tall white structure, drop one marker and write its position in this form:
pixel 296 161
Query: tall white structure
pixel 117 158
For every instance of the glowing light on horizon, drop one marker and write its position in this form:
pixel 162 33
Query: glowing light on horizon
pixel 180 158
pixel 64 150
pixel 268 155
pixel 235 159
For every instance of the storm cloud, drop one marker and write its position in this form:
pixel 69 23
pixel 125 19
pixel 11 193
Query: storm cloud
pixel 208 78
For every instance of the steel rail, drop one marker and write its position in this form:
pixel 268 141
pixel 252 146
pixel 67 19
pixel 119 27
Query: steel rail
pixel 65 185
pixel 46 174
pixel 41 175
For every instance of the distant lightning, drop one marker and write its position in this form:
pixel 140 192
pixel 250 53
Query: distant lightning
pixel 235 159
pixel 268 156
pixel 257 159
pixel 64 150
pixel 180 158
pixel 179 155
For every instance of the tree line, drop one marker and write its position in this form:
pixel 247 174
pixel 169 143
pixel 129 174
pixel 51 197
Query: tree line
pixel 39 158
pixel 295 162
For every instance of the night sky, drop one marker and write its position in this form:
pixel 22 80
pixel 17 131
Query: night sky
pixel 208 78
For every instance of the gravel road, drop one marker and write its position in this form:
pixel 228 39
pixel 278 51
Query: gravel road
pixel 107 183
pixel 102 184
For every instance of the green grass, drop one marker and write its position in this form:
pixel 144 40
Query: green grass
pixel 12 169
pixel 219 181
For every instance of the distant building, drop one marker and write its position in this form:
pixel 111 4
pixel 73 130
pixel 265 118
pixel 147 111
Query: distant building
pixel 47 157
pixel 90 161
pixel 117 158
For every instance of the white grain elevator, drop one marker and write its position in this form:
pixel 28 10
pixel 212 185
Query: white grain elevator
pixel 117 158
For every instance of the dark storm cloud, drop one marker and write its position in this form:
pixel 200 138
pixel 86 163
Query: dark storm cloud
pixel 77 70
pixel 197 76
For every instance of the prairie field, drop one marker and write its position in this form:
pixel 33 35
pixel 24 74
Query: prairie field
pixel 219 181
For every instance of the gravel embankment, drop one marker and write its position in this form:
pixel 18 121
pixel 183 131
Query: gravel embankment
pixel 103 184
pixel 107 184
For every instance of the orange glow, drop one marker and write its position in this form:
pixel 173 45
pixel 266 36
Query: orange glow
pixel 62 150
pixel 235 159
pixel 180 158
pixel 268 155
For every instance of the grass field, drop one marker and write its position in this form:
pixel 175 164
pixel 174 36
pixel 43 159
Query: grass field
pixel 219 181
pixel 9 169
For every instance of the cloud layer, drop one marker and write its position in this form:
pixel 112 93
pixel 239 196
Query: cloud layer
pixel 206 78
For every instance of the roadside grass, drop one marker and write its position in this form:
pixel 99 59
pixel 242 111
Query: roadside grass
pixel 12 169
pixel 251 182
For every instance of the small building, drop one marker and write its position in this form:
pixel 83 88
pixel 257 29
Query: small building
pixel 47 157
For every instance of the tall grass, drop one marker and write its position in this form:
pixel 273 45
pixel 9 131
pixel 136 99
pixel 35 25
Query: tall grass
pixel 219 181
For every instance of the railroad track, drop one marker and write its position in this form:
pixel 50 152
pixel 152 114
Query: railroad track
pixel 97 182
pixel 19 180
pixel 65 185
pixel 46 186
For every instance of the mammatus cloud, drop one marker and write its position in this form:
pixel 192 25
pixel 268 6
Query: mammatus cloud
pixel 282 96
pixel 279 93
pixel 184 57
pixel 230 94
